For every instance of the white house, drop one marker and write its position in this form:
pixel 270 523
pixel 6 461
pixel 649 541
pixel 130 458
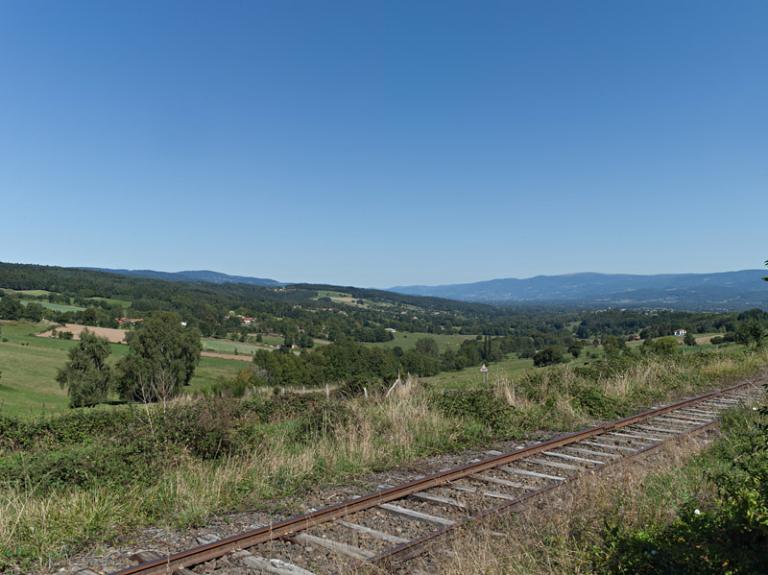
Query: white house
pixel 681 332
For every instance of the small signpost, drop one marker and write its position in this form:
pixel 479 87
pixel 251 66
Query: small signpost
pixel 484 371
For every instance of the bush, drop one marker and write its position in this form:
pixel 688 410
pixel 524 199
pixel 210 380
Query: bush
pixel 496 415
pixel 548 356
pixel 729 535
pixel 661 346
pixel 88 465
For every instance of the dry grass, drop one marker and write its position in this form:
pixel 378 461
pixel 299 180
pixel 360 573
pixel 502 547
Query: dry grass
pixel 36 530
pixel 45 527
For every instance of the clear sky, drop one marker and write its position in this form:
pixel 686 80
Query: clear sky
pixel 382 143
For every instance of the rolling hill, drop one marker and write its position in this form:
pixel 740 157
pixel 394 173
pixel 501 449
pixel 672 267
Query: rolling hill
pixel 205 276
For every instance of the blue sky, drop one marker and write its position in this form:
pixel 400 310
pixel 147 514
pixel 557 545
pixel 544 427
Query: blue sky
pixel 383 143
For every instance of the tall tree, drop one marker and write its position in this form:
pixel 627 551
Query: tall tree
pixel 10 307
pixel 427 346
pixel 162 358
pixel 86 376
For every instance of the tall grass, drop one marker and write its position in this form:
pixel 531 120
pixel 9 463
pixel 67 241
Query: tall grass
pixel 274 460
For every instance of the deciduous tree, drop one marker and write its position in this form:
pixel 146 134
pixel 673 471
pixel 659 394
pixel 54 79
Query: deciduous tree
pixel 86 376
pixel 162 358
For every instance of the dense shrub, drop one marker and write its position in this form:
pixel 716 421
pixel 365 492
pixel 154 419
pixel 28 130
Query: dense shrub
pixel 548 356
pixel 89 465
pixel 727 535
pixel 482 405
pixel 661 346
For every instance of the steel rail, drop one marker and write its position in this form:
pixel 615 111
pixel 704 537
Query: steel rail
pixel 220 548
pixel 415 547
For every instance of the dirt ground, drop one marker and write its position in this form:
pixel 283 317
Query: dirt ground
pixel 112 334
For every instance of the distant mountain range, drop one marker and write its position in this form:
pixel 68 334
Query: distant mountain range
pixel 706 291
pixel 712 291
pixel 205 276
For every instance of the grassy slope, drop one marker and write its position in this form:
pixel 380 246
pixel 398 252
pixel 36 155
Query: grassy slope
pixel 407 340
pixel 29 364
pixel 471 376
pixel 232 346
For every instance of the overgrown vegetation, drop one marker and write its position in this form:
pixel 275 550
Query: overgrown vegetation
pixel 88 476
pixel 721 527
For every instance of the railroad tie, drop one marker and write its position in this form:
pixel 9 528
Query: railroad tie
pixel 610 446
pixel 555 464
pixel 272 566
pixel 491 494
pixel 438 499
pixel 659 429
pixel 518 471
pixel 343 548
pixel 574 458
pixel 373 532
pixel 592 452
pixel 417 515
pixel 504 482
pixel 634 436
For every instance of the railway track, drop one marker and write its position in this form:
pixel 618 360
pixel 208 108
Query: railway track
pixel 395 524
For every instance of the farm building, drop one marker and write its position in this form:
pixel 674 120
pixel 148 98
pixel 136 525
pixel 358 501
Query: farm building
pixel 681 332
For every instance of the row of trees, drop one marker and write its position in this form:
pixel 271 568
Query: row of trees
pixel 348 361
pixel 162 357
pixel 12 308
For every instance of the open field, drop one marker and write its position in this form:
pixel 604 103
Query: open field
pixel 705 338
pixel 231 346
pixel 471 376
pixel 113 335
pixel 407 340
pixel 61 307
pixel 112 301
pixel 31 292
pixel 341 297
pixel 268 339
pixel 29 363
pixel 25 295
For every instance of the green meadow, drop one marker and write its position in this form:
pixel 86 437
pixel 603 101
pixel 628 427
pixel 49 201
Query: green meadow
pixel 232 346
pixel 508 369
pixel 61 307
pixel 406 340
pixel 28 366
